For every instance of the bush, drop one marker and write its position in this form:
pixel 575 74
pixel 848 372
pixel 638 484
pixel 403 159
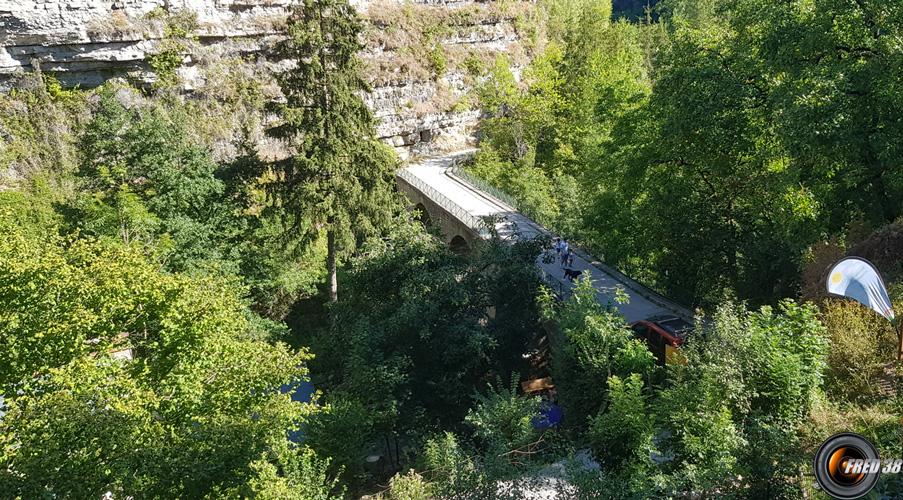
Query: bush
pixel 410 486
pixel 750 383
pixel 342 430
pixel 594 342
pixel 700 436
pixel 295 475
pixel 170 54
pixel 438 61
pixel 624 484
pixel 621 436
pixel 502 420
pixel 39 124
pixel 451 468
pixel 862 345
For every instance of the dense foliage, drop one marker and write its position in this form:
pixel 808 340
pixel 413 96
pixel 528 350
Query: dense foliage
pixel 198 410
pixel 737 133
pixel 419 328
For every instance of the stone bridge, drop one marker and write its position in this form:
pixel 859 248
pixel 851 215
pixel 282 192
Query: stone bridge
pixel 461 211
pixel 457 228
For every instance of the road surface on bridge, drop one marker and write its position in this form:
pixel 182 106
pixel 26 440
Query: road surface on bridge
pixel 472 204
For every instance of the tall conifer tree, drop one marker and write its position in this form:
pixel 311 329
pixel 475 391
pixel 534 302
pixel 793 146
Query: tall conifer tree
pixel 339 178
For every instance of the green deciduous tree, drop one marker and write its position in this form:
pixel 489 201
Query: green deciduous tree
pixel 145 180
pixel 768 126
pixel 416 332
pixel 708 151
pixel 706 172
pixel 594 343
pixel 342 429
pixel 198 410
pixel 339 178
pixel 838 95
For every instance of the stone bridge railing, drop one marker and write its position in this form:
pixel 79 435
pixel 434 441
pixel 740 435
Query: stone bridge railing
pixel 477 224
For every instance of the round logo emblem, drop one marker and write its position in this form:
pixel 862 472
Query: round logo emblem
pixel 847 466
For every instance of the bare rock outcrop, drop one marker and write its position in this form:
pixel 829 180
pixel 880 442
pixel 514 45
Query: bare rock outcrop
pixel 416 51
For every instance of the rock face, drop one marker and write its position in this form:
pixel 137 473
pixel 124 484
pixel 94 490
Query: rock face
pixel 416 52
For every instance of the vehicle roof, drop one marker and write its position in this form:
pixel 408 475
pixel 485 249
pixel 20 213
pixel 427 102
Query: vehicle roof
pixel 672 324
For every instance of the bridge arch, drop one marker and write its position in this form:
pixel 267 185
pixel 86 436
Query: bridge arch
pixel 423 215
pixel 459 245
pixel 446 225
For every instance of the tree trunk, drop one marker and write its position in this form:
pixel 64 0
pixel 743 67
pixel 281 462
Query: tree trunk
pixel 899 324
pixel 327 136
pixel 331 264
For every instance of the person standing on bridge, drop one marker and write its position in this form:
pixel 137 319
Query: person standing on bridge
pixel 569 259
pixel 564 252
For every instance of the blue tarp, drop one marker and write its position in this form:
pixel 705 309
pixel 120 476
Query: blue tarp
pixel 549 416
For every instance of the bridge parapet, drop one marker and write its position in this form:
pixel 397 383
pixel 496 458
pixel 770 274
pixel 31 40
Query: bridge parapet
pixel 475 224
pixel 458 228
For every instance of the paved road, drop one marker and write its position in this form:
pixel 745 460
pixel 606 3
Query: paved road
pixel 438 173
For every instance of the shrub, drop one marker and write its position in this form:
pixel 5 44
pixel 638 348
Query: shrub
pixel 502 423
pixel 438 61
pixel 295 475
pixel 170 54
pixel 451 468
pixel 39 123
pixel 749 384
pixel 701 436
pixel 862 345
pixel 621 436
pixel 594 342
pixel 410 486
pixel 342 430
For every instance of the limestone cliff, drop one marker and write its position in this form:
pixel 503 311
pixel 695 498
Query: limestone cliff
pixel 417 55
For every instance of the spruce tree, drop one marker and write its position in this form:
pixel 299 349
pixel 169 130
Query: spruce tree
pixel 339 178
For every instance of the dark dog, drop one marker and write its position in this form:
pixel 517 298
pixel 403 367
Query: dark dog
pixel 572 274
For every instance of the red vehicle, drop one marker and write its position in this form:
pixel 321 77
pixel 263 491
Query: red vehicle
pixel 663 335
